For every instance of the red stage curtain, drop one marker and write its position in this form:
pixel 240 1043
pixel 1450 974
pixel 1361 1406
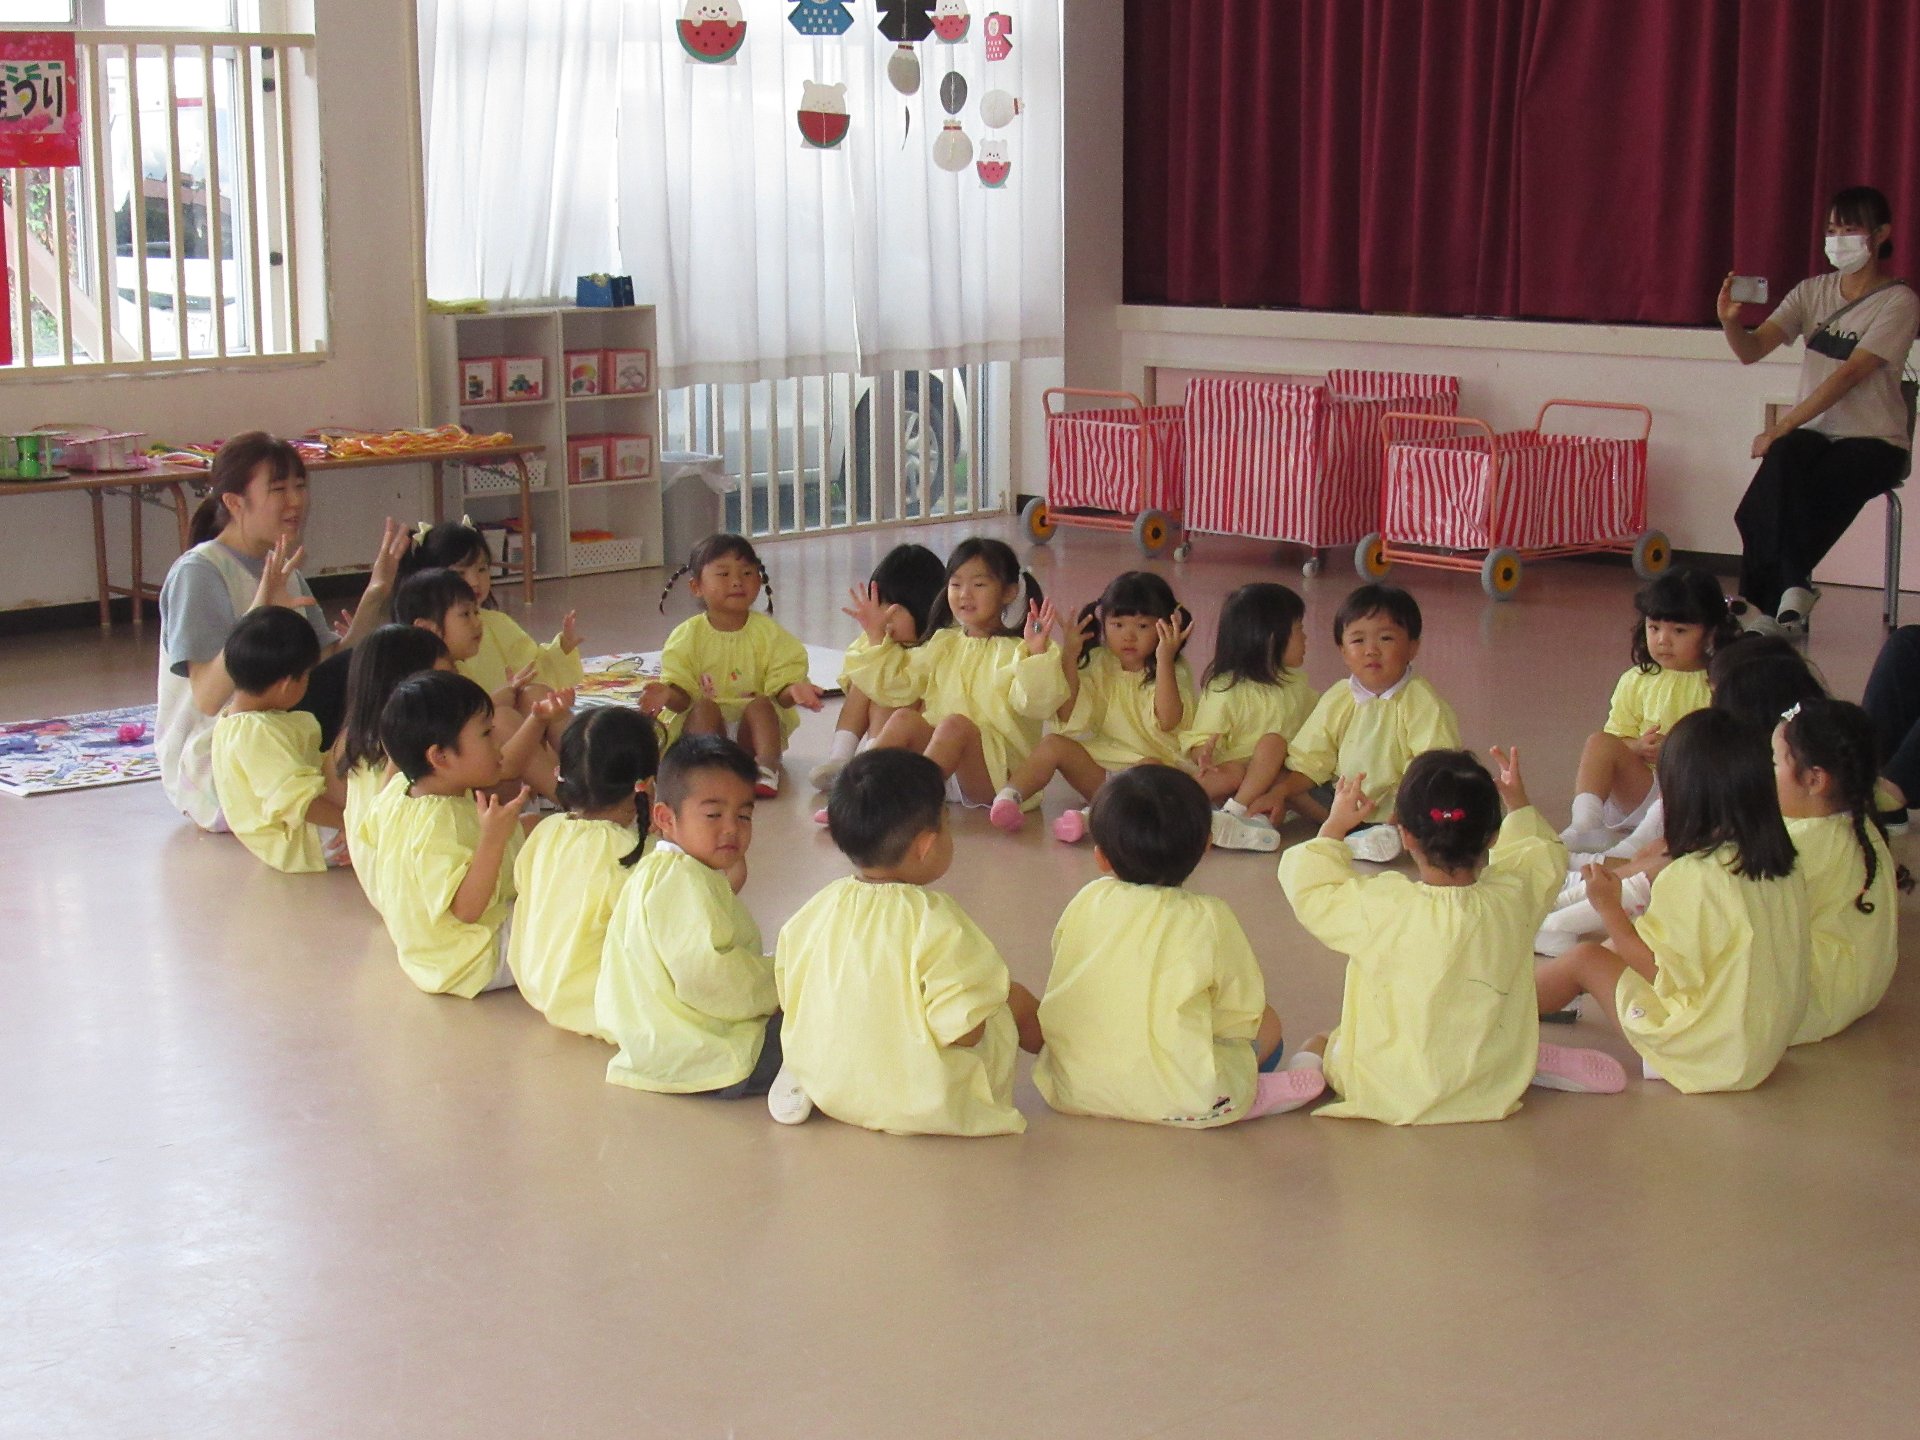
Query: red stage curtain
pixel 1603 160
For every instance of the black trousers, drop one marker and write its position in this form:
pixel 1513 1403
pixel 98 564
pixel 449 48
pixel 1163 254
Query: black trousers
pixel 1893 700
pixel 1800 501
pixel 326 697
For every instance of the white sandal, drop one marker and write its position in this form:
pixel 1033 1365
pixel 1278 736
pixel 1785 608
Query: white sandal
pixel 1796 610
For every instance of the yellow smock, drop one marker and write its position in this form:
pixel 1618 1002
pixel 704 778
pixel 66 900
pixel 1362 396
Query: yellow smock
pixel 1152 1008
pixel 992 681
pixel 266 771
pixel 365 782
pixel 423 845
pixel 1439 1021
pixel 1113 715
pixel 1730 987
pixel 1853 955
pixel 684 988
pixel 1377 738
pixel 569 875
pixel 760 658
pixel 1643 702
pixel 506 649
pixel 876 983
pixel 1234 714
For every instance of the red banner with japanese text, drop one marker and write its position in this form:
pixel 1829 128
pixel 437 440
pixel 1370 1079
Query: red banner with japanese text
pixel 39 100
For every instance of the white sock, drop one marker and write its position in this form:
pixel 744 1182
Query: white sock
pixel 844 744
pixel 1303 1060
pixel 1589 813
pixel 1008 792
pixel 1235 809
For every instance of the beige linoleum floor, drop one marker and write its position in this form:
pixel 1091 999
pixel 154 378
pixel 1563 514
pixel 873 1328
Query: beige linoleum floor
pixel 252 1183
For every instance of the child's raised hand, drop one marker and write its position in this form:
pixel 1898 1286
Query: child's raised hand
pixel 570 632
pixel 708 689
pixel 1172 635
pixel 522 678
pixel 804 694
pixel 1647 748
pixel 1603 887
pixel 1351 806
pixel 554 704
pixel 497 816
pixel 1203 754
pixel 1506 777
pixel 654 696
pixel 867 612
pixel 343 625
pixel 1041 618
pixel 395 542
pixel 1073 634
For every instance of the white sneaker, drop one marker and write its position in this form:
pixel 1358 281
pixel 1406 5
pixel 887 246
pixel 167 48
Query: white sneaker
pixel 1377 843
pixel 787 1103
pixel 1585 845
pixel 1255 832
pixel 822 776
pixel 1795 612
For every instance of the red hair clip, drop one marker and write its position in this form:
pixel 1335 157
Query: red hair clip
pixel 1448 814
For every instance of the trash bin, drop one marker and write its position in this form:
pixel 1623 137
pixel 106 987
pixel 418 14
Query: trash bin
pixel 693 489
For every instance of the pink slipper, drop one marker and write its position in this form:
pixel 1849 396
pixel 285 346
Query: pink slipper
pixel 1285 1090
pixel 1006 814
pixel 820 817
pixel 1071 827
pixel 1585 1072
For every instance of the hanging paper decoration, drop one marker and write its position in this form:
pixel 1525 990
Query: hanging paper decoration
pixel 821 18
pixel 952 150
pixel 997 109
pixel 903 70
pixel 39 104
pixel 823 114
pixel 711 31
pixel 953 92
pixel 906 20
pixel 999 28
pixel 951 20
pixel 994 166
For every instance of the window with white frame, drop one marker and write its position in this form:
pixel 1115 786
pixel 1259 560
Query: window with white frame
pixel 190 231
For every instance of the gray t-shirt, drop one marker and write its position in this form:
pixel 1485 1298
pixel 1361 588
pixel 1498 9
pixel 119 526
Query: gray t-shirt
pixel 1882 324
pixel 196 610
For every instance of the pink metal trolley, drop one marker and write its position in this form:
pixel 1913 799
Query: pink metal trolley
pixel 1298 462
pixel 1479 501
pixel 1119 466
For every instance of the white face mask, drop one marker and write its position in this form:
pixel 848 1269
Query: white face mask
pixel 1847 253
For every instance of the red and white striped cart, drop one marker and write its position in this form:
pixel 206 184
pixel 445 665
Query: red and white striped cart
pixel 1298 463
pixel 1479 501
pixel 1119 466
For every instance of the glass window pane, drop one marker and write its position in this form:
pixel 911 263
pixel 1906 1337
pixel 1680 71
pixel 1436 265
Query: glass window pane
pixel 38 12
pixel 170 14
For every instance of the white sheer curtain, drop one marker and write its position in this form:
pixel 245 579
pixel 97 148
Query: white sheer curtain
pixel 765 257
pixel 519 100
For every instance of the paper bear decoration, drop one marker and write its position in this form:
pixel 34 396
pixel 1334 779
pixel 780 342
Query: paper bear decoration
pixel 994 166
pixel 821 18
pixel 823 114
pixel 906 20
pixel 711 31
pixel 951 20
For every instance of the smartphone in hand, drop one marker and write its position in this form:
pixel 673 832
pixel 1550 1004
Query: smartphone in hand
pixel 1749 289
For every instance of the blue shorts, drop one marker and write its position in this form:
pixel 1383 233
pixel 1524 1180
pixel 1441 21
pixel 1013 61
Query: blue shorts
pixel 1272 1062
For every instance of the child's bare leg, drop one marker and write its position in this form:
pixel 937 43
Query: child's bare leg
pixel 904 730
pixel 1222 781
pixel 1290 792
pixel 954 745
pixel 1054 755
pixel 1263 770
pixel 704 718
pixel 1270 1036
pixel 1586 969
pixel 857 713
pixel 1612 771
pixel 760 732
pixel 1026 1017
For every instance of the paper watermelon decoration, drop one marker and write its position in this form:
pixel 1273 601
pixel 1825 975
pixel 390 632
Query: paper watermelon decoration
pixel 711 31
pixel 993 166
pixel 821 18
pixel 951 20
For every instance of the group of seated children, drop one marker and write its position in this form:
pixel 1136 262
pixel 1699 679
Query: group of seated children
pixel 1731 891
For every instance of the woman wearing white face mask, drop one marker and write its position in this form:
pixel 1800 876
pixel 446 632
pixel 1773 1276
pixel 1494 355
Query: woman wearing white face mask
pixel 1845 440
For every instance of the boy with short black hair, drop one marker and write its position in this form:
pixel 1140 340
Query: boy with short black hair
pixel 1156 1009
pixel 899 1013
pixel 1375 724
pixel 268 770
pixel 685 989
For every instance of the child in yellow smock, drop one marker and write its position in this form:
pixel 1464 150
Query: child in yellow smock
pixel 984 683
pixel 267 767
pixel 573 866
pixel 1373 724
pixel 1824 771
pixel 907 582
pixel 1682 619
pixel 1437 1023
pixel 685 990
pixel 731 670
pixel 444 843
pixel 1710 985
pixel 1129 698
pixel 1156 1009
pixel 899 1013
pixel 1253 701
pixel 359 762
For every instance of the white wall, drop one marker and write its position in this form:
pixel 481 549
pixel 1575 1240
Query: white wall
pixel 369 379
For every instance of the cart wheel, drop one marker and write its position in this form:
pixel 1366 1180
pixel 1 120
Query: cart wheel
pixel 1310 567
pixel 1652 554
pixel 1500 575
pixel 1152 531
pixel 1370 557
pixel 1037 521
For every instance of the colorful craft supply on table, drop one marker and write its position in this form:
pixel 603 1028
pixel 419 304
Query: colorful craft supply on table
pixel 78 752
pixel 619 679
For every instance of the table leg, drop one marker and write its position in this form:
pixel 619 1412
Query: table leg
pixel 526 529
pixel 100 556
pixel 138 590
pixel 178 494
pixel 439 492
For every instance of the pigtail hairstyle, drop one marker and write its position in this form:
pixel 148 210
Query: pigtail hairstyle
pixel 1716 777
pixel 1837 737
pixel 380 662
pixel 450 545
pixel 1449 804
pixel 720 547
pixel 1133 592
pixel 232 470
pixel 604 755
pixel 1004 566
pixel 1684 595
pixel 1255 625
